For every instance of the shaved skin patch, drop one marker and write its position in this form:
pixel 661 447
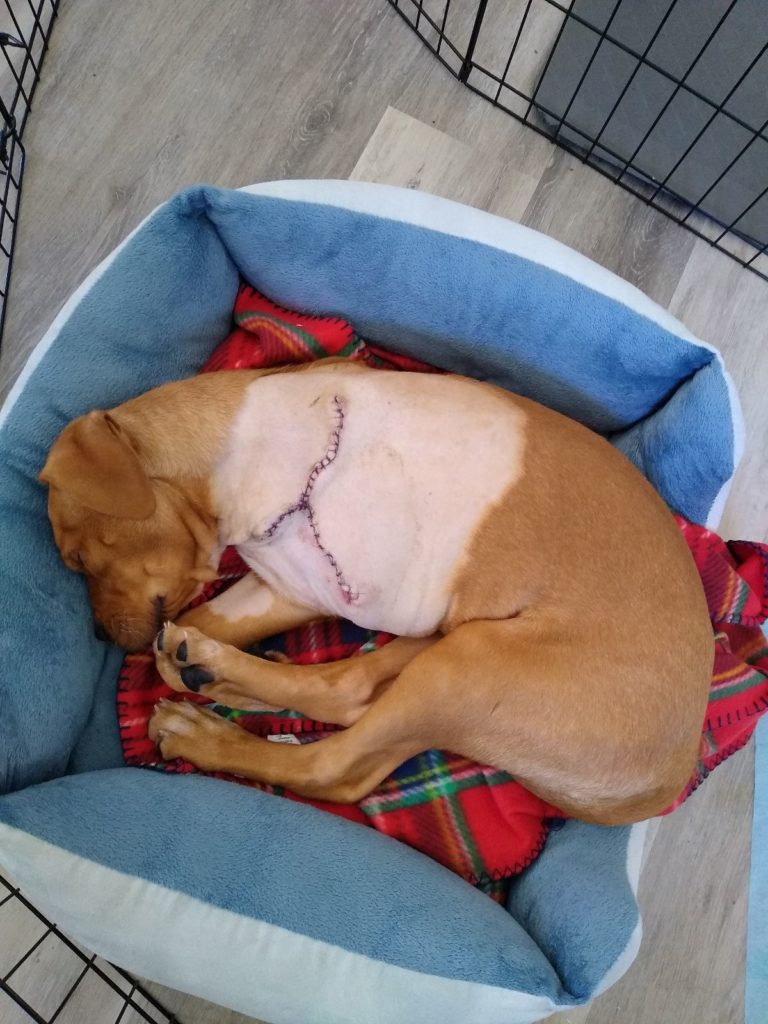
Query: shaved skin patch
pixel 358 493
pixel 304 503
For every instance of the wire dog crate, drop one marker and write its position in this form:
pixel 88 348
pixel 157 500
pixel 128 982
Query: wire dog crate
pixel 25 28
pixel 667 98
pixel 46 978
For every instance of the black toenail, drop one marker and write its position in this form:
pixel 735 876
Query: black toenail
pixel 159 640
pixel 181 653
pixel 195 676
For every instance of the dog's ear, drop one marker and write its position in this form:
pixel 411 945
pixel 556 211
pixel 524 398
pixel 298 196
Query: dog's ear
pixel 94 463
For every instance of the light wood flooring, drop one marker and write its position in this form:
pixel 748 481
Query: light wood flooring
pixel 140 99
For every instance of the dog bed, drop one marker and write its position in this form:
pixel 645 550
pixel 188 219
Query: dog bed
pixel 228 892
pixel 474 819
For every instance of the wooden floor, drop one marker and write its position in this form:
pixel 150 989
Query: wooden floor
pixel 138 100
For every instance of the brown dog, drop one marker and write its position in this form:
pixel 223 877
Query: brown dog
pixel 551 619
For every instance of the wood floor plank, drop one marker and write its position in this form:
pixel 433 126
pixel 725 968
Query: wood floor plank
pixel 693 893
pixel 218 95
pixel 575 205
pixel 404 151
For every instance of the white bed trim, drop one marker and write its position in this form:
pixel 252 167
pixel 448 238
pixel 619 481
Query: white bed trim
pixel 233 960
pixel 628 955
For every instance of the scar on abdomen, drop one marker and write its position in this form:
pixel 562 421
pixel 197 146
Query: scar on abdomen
pixel 304 504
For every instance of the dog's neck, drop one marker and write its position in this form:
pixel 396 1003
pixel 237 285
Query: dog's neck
pixel 179 438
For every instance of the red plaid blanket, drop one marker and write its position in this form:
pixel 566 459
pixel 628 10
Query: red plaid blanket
pixel 473 819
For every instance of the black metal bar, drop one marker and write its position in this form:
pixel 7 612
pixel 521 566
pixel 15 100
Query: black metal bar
pixel 53 930
pixel 628 187
pixel 466 66
pixel 4 207
pixel 718 110
pixel 441 35
pixel 14 111
pixel 420 5
pixel 16 25
pixel 732 225
pixel 28 954
pixel 140 1009
pixel 30 1011
pixel 640 62
pixel 578 151
pixel 28 45
pixel 36 11
pixel 124 1007
pixel 685 86
pixel 590 62
pixel 20 90
pixel 71 991
pixel 544 110
pixel 28 58
pixel 532 99
pixel 573 16
pixel 513 51
pixel 146 995
pixel 760 252
pixel 678 86
pixel 425 41
pixel 723 173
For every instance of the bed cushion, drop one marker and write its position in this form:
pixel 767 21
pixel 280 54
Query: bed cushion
pixel 234 894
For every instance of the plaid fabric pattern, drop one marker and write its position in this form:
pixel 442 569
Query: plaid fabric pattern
pixel 474 820
pixel 735 579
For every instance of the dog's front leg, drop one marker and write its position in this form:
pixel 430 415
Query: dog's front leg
pixel 249 611
pixel 344 767
pixel 509 693
pixel 338 692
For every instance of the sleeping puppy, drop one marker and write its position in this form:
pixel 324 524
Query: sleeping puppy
pixel 550 618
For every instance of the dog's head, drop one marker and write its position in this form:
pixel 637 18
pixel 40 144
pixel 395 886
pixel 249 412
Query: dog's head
pixel 144 545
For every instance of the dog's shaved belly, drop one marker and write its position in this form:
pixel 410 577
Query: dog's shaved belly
pixel 358 494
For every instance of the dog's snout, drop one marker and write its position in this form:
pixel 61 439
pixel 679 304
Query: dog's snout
pixel 100 633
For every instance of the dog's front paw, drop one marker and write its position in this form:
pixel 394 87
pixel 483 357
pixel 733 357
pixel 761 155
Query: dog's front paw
pixel 186 658
pixel 185 730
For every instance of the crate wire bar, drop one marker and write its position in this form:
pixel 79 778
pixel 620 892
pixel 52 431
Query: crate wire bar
pixel 576 72
pixel 130 1003
pixel 25 28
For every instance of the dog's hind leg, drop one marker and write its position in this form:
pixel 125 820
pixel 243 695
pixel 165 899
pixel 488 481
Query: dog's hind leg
pixel 338 692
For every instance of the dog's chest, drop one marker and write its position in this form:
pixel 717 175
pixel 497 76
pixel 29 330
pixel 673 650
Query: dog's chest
pixel 359 493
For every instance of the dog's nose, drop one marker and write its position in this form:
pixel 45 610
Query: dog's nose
pixel 99 632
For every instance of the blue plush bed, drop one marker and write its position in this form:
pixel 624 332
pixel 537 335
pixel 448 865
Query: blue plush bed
pixel 264 905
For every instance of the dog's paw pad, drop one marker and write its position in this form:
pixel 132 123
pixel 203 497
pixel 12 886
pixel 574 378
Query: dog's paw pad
pixel 195 676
